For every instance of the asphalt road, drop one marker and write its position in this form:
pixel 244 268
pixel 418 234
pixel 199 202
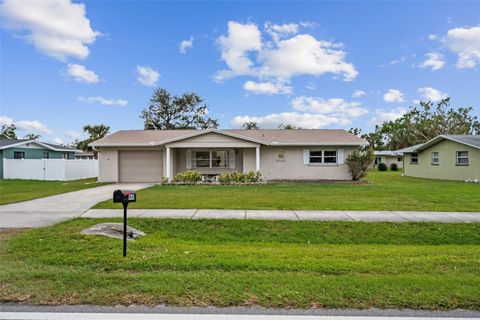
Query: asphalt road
pixel 79 312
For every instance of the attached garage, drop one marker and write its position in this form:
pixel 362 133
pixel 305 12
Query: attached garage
pixel 140 166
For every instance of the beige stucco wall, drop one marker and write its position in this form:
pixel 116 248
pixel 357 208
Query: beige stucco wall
pixel 388 160
pixel 107 165
pixel 447 168
pixel 293 168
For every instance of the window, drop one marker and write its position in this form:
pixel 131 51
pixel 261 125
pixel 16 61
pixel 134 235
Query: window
pixel 378 159
pixel 280 155
pixel 201 159
pixel 329 156
pixel 65 155
pixel 323 156
pixel 399 159
pixel 316 156
pixel 18 155
pixel 220 159
pixel 210 159
pixel 414 158
pixel 435 158
pixel 462 158
pixel 45 155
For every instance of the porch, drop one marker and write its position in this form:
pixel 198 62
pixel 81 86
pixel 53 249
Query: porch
pixel 210 161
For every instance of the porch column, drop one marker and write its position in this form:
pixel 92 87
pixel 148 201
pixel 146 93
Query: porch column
pixel 168 164
pixel 257 159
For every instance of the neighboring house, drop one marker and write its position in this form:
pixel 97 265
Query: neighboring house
pixel 388 157
pixel 82 155
pixel 446 157
pixel 149 155
pixel 32 149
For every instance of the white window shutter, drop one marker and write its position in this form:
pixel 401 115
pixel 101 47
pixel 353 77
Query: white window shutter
pixel 231 158
pixel 188 157
pixel 340 156
pixel 306 156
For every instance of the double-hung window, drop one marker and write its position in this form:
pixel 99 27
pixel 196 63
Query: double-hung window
pixel 316 156
pixel 220 159
pixel 435 158
pixel 45 155
pixel 280 155
pixel 323 156
pixel 462 158
pixel 201 159
pixel 18 155
pixel 414 158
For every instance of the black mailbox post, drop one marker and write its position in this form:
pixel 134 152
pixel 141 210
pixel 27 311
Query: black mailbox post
pixel 124 197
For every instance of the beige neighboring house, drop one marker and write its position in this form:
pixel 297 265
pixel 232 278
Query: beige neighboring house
pixel 388 157
pixel 446 157
pixel 150 155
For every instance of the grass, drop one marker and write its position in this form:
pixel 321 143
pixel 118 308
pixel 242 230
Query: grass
pixel 17 190
pixel 387 191
pixel 302 264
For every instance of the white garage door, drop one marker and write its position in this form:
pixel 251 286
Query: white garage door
pixel 140 166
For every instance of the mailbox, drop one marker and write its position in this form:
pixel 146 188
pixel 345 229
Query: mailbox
pixel 124 196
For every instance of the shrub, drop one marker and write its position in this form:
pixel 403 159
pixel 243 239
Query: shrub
pixel 394 167
pixel 189 176
pixel 382 167
pixel 358 163
pixel 225 178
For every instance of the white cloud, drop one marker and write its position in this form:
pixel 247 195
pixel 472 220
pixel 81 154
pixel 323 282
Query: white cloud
pixel 104 101
pixel 334 106
pixel 382 116
pixel 434 95
pixel 4 120
pixel 26 125
pixel 269 88
pixel 393 95
pixel 82 74
pixel 302 120
pixel 185 45
pixel 58 141
pixel 277 31
pixel 73 134
pixel 289 55
pixel 147 76
pixel 465 42
pixel 241 39
pixel 435 61
pixel 32 126
pixel 311 86
pixel 432 37
pixel 58 28
pixel 358 93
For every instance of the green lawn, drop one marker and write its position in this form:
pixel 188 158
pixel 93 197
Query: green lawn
pixel 301 264
pixel 21 190
pixel 386 191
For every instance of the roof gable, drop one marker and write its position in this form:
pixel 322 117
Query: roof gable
pixel 472 141
pixel 7 144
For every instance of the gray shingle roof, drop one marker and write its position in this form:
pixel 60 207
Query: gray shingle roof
pixel 466 139
pixel 5 143
pixel 266 136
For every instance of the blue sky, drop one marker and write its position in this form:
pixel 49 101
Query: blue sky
pixel 66 64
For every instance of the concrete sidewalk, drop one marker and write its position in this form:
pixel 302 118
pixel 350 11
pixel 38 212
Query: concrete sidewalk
pixel 368 216
pixel 51 210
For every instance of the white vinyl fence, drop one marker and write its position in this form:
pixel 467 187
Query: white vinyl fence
pixel 49 169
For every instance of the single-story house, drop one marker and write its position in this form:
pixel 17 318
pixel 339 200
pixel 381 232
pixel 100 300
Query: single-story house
pixel 446 157
pixel 32 149
pixel 150 155
pixel 388 157
pixel 84 155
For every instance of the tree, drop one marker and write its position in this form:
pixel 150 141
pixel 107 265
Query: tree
pixel 32 136
pixel 287 126
pixel 250 126
pixel 94 132
pixel 355 131
pixel 426 122
pixel 358 163
pixel 8 131
pixel 374 139
pixel 166 111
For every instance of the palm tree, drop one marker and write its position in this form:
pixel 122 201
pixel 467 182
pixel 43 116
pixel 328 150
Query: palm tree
pixel 32 136
pixel 94 132
pixel 250 125
pixel 287 127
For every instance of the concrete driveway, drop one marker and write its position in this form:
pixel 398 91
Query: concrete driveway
pixel 50 210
